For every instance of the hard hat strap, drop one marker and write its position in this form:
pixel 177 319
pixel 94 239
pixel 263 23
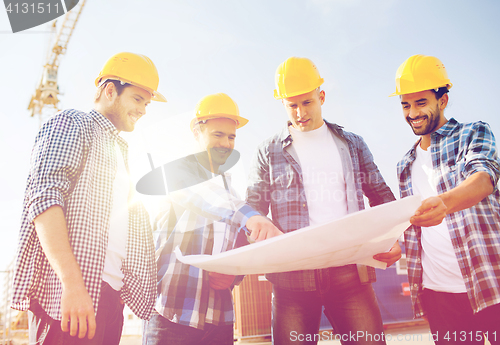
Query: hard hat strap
pixel 126 82
pixel 103 81
pixel 204 120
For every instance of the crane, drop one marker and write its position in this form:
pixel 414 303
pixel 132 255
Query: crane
pixel 45 100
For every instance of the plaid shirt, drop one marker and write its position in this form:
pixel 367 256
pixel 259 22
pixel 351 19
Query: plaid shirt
pixel 186 220
pixel 276 182
pixel 458 151
pixel 73 165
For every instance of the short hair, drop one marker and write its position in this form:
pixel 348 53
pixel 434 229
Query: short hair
pixel 200 125
pixel 118 86
pixel 440 92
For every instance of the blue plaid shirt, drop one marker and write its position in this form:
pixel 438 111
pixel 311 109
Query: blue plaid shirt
pixel 459 150
pixel 186 219
pixel 276 182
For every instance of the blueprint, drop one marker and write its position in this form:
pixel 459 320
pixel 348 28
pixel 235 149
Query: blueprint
pixel 353 239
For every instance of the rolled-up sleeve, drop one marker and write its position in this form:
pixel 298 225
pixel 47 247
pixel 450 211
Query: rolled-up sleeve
pixel 212 201
pixel 55 164
pixel 481 153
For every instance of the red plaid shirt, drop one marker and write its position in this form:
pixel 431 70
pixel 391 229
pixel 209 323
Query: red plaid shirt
pixel 73 165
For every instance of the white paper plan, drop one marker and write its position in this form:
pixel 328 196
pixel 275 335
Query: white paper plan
pixel 355 238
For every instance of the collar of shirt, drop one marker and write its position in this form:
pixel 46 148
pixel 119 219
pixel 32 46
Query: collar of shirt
pixel 445 130
pixel 109 128
pixel 103 122
pixel 286 138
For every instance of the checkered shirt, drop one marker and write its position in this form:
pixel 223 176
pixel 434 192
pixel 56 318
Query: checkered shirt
pixel 73 165
pixel 276 181
pixel 459 150
pixel 186 220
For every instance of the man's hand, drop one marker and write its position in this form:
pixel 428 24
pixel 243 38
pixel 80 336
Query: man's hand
pixel 219 281
pixel 430 213
pixel 76 304
pixel 77 312
pixel 391 256
pixel 261 228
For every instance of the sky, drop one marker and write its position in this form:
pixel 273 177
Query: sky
pixel 203 47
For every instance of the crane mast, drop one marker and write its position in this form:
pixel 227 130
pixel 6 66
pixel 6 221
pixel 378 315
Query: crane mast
pixel 45 100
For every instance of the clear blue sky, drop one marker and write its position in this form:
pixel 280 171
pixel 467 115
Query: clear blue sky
pixel 203 47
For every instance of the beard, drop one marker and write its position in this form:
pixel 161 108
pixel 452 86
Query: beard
pixel 218 157
pixel 119 116
pixel 432 124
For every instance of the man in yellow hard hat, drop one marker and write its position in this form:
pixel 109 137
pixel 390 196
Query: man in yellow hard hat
pixel 453 265
pixel 201 215
pixel 310 173
pixel 85 245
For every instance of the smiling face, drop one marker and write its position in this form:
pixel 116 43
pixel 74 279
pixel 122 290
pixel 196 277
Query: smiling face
pixel 217 137
pixel 126 109
pixel 423 112
pixel 304 111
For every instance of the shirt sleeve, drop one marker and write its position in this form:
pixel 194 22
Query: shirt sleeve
pixel 482 153
pixel 258 194
pixel 55 164
pixel 373 184
pixel 211 200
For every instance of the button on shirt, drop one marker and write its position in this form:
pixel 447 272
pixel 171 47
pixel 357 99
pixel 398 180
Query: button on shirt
pixel 73 165
pixel 459 150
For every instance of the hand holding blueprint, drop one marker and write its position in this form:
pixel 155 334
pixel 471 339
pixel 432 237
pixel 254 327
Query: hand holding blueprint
pixel 355 238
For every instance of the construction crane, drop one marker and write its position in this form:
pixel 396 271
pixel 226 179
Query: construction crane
pixel 45 100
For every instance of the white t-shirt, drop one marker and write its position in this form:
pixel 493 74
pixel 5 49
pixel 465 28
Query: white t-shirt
pixel 439 263
pixel 118 226
pixel 323 176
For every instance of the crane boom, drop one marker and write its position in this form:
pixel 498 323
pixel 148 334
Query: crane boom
pixel 45 100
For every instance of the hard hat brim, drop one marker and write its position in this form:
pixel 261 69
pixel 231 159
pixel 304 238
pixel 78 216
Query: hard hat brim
pixel 396 93
pixel 277 95
pixel 158 97
pixel 240 121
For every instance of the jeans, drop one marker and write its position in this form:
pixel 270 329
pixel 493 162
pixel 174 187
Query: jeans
pixel 161 331
pixel 351 308
pixel 452 321
pixel 109 323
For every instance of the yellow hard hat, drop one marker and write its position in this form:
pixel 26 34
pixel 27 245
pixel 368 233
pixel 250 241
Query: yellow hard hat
pixel 420 73
pixel 134 69
pixel 218 105
pixel 296 76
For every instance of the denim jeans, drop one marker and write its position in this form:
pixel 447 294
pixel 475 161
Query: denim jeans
pixel 351 308
pixel 452 321
pixel 109 323
pixel 161 331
